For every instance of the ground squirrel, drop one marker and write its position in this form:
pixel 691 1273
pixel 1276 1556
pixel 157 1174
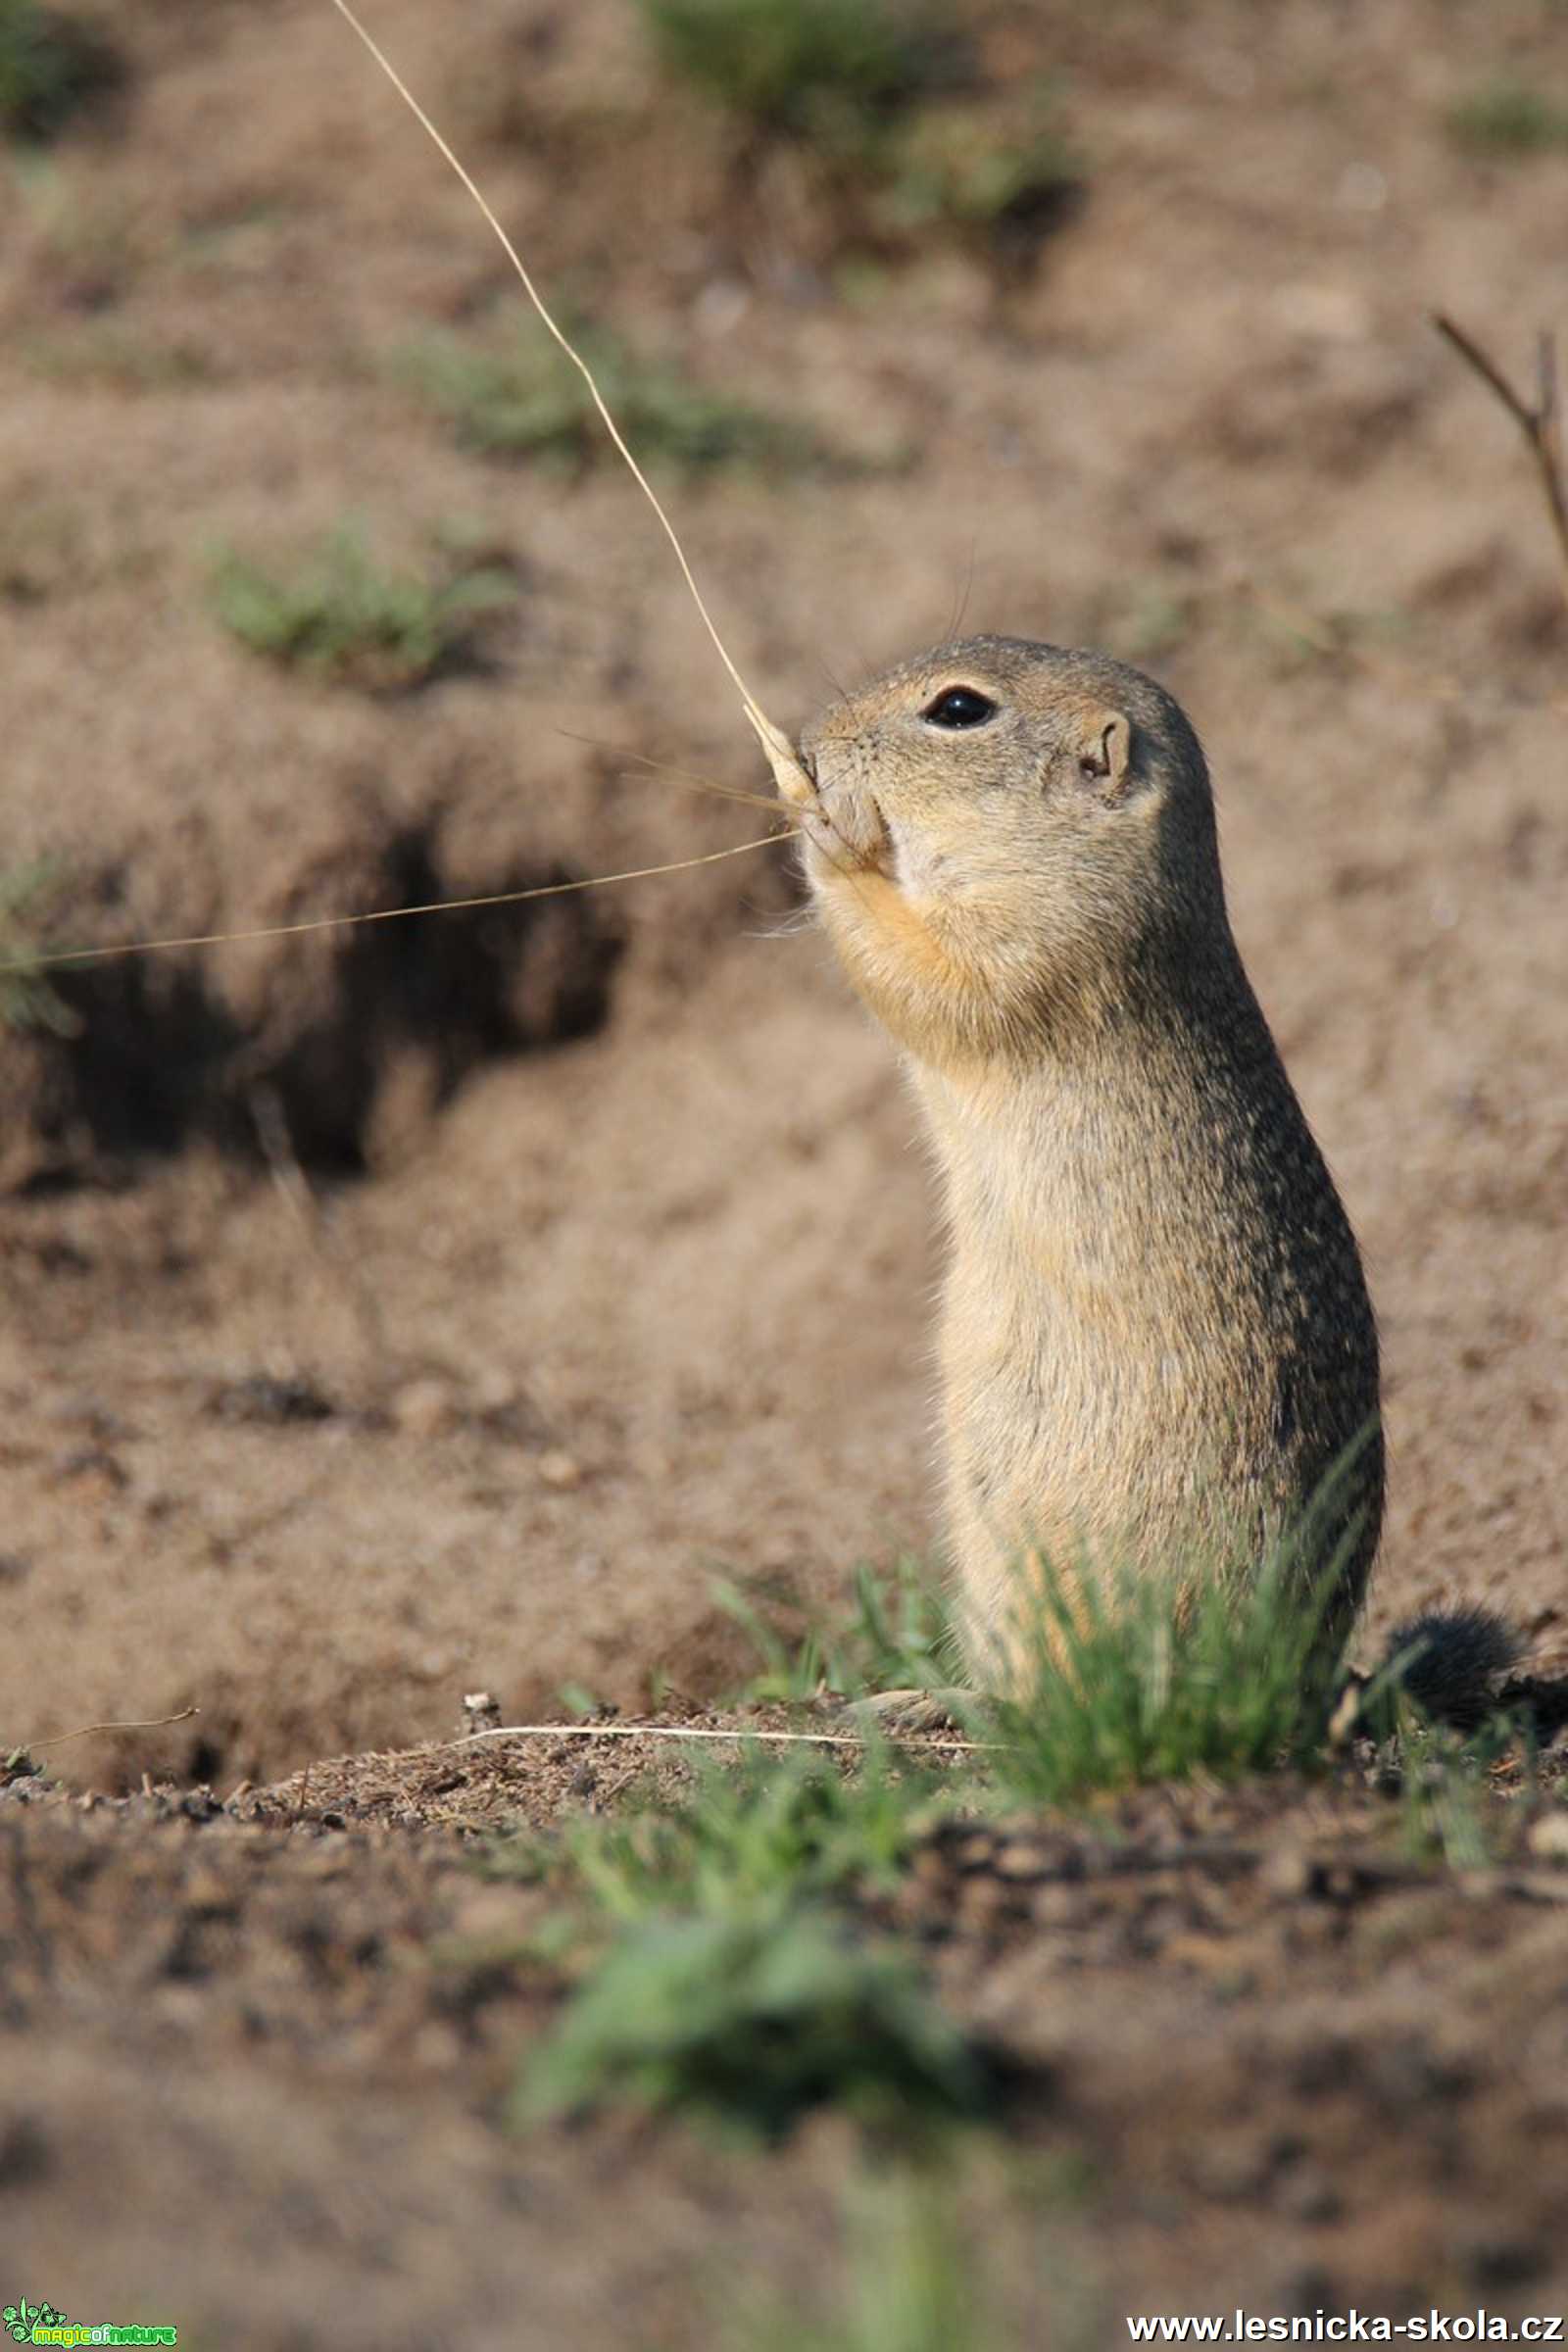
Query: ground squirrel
pixel 1157 1340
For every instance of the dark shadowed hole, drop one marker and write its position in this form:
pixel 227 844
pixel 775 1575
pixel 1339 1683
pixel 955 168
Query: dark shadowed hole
pixel 157 1061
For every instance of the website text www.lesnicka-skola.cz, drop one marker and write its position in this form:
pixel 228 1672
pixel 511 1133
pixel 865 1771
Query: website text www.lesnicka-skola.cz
pixel 1347 2328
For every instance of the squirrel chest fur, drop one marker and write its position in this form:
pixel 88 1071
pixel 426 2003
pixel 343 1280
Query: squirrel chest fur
pixel 1156 1342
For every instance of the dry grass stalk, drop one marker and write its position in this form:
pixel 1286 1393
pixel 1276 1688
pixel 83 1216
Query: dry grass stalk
pixel 1540 421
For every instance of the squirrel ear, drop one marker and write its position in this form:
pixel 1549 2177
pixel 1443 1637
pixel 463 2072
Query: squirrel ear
pixel 1106 753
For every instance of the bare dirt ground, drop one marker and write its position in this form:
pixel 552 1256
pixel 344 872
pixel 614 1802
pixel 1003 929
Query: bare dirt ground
pixel 444 1304
pixel 1256 2059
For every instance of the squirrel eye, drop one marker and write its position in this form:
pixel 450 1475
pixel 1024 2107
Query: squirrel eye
pixel 960 707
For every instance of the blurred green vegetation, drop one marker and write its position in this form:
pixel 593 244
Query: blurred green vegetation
pixel 51 66
pixel 897 1635
pixel 915 2282
pixel 820 69
pixel 28 1000
pixel 888 98
pixel 1507 116
pixel 343 615
pixel 518 395
pixel 752 2022
pixel 730 1973
pixel 747 1837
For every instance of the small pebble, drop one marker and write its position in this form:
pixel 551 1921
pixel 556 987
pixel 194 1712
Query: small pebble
pixel 1308 2194
pixel 1023 1858
pixel 424 1409
pixel 1287 1873
pixel 1548 1836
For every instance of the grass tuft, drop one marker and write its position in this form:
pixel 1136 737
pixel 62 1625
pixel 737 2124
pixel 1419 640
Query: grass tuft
pixel 745 1838
pixel 752 2022
pixel 898 1635
pixel 915 2282
pixel 519 397
pixel 821 69
pixel 50 67
pixel 28 999
pixel 345 618
pixel 1139 1679
pixel 738 1979
pixel 1509 118
pixel 887 98
pixel 1131 1678
pixel 959 168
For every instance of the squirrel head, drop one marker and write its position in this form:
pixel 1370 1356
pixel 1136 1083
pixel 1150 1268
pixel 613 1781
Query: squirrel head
pixel 1044 820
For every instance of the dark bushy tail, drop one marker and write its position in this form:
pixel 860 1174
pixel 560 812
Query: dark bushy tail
pixel 1450 1663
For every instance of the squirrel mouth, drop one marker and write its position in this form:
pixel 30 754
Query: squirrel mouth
pixel 839 815
pixel 859 828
